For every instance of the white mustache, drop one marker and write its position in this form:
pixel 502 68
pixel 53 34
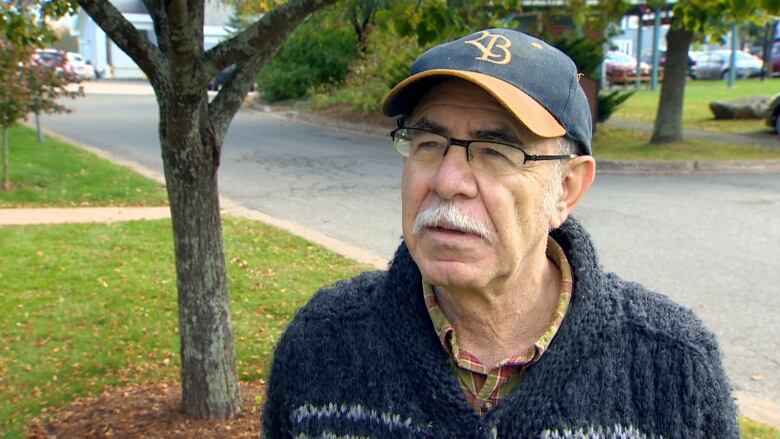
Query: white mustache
pixel 453 217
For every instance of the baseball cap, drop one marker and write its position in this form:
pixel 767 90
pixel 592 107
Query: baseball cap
pixel 534 81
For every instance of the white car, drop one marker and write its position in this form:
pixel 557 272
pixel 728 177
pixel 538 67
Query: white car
pixel 80 67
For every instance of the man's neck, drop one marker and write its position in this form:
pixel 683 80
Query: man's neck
pixel 506 319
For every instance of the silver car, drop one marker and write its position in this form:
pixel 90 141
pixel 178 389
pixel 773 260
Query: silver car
pixel 715 64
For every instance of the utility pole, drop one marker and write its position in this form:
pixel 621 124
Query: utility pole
pixel 733 56
pixel 656 32
pixel 638 83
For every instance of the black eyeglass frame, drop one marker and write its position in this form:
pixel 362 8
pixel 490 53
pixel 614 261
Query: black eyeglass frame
pixel 467 143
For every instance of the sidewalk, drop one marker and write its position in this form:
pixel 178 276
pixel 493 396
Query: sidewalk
pixel 79 215
pixel 138 87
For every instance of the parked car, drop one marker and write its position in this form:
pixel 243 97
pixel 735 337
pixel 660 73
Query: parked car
pixel 80 68
pixel 53 58
pixel 621 68
pixel 222 77
pixel 715 64
pixel 100 72
pixel 773 117
pixel 647 56
pixel 776 59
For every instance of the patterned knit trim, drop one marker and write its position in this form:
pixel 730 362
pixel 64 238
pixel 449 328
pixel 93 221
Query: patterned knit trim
pixel 353 413
pixel 616 431
pixel 330 435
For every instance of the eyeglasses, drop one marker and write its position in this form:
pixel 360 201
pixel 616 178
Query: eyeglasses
pixel 497 158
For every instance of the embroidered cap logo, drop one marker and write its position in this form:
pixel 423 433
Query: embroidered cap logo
pixel 494 41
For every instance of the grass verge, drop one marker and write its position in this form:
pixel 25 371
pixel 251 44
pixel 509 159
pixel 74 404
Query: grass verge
pixel 613 143
pixel 750 429
pixel 57 174
pixel 102 312
pixel 643 105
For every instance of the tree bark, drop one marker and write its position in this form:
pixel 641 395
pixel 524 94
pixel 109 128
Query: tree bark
pixel 6 176
pixel 668 119
pixel 190 160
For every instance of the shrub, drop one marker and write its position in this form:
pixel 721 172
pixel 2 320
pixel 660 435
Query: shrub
pixel 609 103
pixel 386 62
pixel 318 52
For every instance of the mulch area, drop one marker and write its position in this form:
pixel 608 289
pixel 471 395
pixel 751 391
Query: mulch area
pixel 149 410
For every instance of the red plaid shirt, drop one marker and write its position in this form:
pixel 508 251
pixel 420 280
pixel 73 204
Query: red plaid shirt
pixel 484 386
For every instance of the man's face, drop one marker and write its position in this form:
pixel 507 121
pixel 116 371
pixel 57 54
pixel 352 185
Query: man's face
pixel 510 207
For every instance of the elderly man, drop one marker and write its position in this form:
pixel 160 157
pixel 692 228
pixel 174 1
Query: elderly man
pixel 494 318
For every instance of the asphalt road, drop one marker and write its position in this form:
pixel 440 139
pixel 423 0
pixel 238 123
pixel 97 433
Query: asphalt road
pixel 711 242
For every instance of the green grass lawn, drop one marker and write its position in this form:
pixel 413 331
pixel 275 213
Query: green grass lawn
pixel 83 307
pixel 643 104
pixel 620 144
pixel 57 174
pixel 753 430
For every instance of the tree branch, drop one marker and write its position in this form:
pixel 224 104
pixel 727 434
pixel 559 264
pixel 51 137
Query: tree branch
pixel 148 57
pixel 264 36
pixel 161 26
pixel 186 34
pixel 233 92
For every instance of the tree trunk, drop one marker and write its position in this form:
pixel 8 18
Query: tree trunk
pixel 668 119
pixel 6 176
pixel 191 134
pixel 190 159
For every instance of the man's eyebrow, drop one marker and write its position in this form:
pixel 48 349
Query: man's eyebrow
pixel 497 134
pixel 427 124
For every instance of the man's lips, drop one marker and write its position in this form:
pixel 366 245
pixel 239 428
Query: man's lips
pixel 448 228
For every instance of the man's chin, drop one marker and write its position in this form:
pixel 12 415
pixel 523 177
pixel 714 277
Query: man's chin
pixel 457 269
pixel 453 276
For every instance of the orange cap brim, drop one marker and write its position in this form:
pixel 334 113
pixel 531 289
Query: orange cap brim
pixel 525 108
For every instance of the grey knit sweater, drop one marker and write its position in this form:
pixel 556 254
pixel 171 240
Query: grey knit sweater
pixel 362 360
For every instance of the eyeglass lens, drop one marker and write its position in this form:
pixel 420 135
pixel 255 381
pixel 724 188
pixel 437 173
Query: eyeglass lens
pixel 429 148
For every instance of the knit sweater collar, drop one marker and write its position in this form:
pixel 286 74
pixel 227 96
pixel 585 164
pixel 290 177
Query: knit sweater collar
pixel 410 329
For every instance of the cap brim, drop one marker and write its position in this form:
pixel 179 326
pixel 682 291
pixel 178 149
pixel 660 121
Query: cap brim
pixel 525 108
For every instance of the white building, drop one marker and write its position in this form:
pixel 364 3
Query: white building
pixel 100 51
pixel 627 41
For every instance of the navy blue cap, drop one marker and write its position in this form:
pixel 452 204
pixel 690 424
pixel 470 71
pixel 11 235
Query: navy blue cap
pixel 534 81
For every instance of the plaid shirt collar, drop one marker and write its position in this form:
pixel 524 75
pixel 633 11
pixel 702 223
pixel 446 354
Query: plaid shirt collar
pixel 486 386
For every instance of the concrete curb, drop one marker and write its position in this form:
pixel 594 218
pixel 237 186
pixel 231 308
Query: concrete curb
pixel 603 166
pixel 688 167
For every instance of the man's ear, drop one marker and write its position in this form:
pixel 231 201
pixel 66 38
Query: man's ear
pixel 578 175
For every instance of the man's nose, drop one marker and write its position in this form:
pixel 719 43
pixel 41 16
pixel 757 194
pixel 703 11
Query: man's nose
pixel 454 176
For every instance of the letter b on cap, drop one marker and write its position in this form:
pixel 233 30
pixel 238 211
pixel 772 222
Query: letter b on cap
pixel 494 42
